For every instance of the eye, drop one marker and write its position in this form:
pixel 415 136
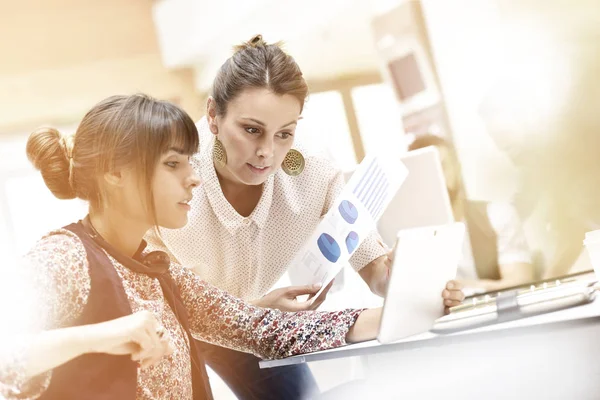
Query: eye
pixel 172 164
pixel 252 130
pixel 285 135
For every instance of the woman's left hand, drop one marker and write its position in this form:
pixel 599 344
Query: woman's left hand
pixel 452 294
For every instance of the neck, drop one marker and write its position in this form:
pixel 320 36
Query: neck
pixel 242 197
pixel 119 229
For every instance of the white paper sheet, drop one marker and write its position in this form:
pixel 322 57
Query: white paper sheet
pixel 352 217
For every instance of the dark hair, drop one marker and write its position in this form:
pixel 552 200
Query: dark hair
pixel 256 64
pixel 119 131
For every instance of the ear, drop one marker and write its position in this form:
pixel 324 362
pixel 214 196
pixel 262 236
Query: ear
pixel 211 115
pixel 115 178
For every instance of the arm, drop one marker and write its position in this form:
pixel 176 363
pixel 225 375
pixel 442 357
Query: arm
pixel 46 291
pixel 514 257
pixel 376 274
pixel 50 291
pixel 512 274
pixel 219 318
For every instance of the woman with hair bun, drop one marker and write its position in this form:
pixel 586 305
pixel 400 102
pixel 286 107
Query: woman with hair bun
pixel 98 316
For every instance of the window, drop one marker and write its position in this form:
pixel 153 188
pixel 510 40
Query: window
pixel 324 128
pixel 379 118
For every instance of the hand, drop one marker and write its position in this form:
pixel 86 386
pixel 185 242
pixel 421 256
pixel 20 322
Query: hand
pixel 452 294
pixel 376 274
pixel 284 299
pixel 139 335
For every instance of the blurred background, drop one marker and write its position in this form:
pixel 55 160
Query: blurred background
pixel 504 80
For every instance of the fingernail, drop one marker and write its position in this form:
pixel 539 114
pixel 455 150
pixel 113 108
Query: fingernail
pixel 318 285
pixel 450 285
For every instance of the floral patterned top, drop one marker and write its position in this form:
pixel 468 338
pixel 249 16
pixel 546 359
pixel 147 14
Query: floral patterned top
pixel 53 287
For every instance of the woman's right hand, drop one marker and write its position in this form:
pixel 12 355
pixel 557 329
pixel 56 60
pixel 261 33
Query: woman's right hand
pixel 139 334
pixel 284 299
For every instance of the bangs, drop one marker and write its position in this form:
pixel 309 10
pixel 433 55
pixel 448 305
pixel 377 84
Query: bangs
pixel 177 130
pixel 183 137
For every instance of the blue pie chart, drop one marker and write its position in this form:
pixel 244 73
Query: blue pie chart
pixel 329 247
pixel 351 241
pixel 348 211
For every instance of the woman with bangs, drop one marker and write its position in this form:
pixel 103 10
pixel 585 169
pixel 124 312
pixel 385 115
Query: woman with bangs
pixel 104 318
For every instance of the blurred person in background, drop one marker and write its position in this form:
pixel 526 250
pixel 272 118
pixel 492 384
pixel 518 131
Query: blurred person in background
pixel 495 252
pixel 555 153
pixel 260 201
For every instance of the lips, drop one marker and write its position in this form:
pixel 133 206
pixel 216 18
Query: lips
pixel 261 167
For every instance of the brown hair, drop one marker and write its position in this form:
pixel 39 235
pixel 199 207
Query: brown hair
pixel 256 64
pixel 119 131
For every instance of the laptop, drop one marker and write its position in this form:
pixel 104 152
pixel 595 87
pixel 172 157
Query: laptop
pixel 425 259
pixel 422 200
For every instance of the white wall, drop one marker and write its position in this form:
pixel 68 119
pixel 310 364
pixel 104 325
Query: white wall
pixel 463 36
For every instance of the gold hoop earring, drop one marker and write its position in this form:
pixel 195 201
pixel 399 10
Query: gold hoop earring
pixel 219 153
pixel 293 163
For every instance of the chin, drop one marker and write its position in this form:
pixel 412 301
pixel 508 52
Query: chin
pixel 174 223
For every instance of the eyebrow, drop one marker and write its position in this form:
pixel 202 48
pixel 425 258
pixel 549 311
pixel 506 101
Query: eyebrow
pixel 258 122
pixel 177 150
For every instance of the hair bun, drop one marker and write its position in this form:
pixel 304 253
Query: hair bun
pixel 257 41
pixel 48 150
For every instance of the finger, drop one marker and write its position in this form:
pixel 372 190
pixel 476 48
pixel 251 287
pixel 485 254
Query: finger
pixel 169 347
pixel 162 348
pixel 145 345
pixel 316 302
pixel 324 290
pixel 456 295
pixel 454 285
pixel 294 291
pixel 293 305
pixel 388 262
pixel 150 333
pixel 451 303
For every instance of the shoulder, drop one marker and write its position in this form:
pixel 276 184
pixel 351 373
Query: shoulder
pixel 56 251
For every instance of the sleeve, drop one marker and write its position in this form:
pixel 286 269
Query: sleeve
pixel 512 243
pixel 372 247
pixel 48 290
pixel 219 318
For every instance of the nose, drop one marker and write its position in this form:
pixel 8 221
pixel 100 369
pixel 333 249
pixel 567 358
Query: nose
pixel 265 148
pixel 193 179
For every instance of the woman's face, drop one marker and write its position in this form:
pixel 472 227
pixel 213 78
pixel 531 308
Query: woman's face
pixel 257 132
pixel 174 179
pixel 172 184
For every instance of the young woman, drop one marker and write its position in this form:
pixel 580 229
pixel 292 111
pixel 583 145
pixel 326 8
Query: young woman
pixel 261 199
pixel 97 316
pixel 495 253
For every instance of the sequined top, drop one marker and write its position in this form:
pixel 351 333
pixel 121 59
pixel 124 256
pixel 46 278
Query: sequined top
pixel 52 288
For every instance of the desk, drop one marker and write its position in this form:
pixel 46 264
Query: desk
pixel 550 356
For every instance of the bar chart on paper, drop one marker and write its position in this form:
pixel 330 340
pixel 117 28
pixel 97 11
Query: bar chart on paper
pixel 352 217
